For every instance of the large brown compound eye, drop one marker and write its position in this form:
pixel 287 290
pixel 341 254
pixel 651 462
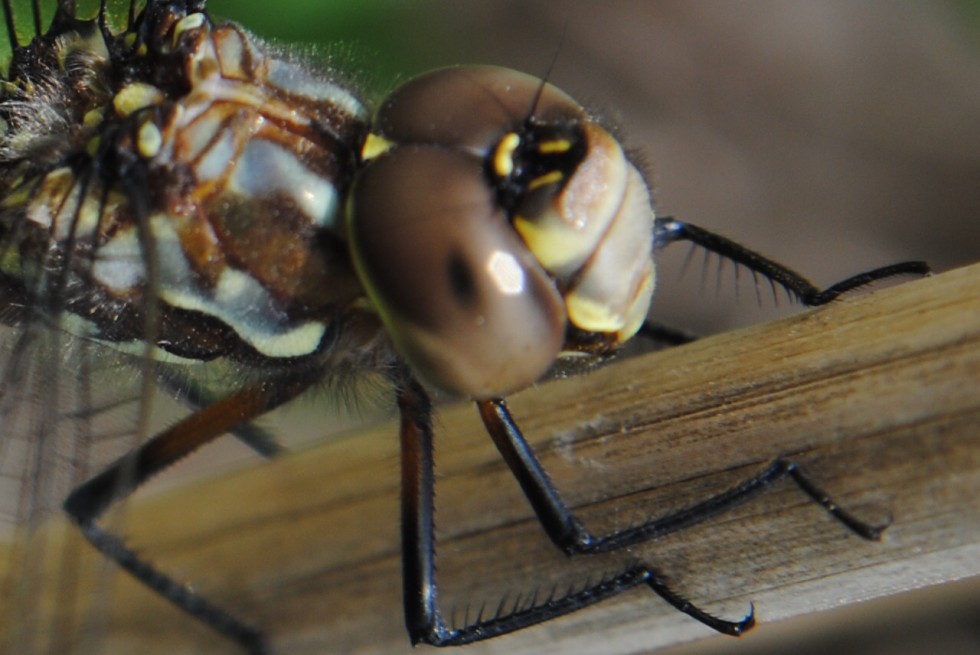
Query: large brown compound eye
pixel 462 298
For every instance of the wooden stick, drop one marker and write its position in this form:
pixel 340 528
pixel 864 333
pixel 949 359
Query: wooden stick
pixel 876 396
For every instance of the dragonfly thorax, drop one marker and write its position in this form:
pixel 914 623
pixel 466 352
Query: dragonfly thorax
pixel 229 162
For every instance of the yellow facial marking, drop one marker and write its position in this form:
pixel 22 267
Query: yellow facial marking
pixel 554 147
pixel 503 156
pixel 591 315
pixel 543 180
pixel 551 243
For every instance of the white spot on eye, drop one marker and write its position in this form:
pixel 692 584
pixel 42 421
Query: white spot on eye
pixel 506 272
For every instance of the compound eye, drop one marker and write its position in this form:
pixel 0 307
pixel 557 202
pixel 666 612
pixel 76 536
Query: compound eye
pixel 469 107
pixel 462 298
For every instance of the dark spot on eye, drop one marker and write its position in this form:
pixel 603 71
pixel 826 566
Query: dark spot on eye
pixel 461 279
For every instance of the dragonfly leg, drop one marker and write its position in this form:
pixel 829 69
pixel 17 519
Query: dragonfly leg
pixel 667 230
pixel 91 499
pixel 424 620
pixel 569 534
pixel 421 593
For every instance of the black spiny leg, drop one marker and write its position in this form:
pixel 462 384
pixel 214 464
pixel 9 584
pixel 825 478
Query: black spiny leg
pixel 569 534
pixel 666 230
pixel 89 501
pixel 422 616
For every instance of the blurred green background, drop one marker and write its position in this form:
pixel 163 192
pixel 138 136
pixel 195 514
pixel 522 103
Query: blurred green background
pixel 381 42
pixel 384 36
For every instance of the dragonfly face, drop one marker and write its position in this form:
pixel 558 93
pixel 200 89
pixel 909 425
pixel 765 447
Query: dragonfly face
pixel 182 193
pixel 532 226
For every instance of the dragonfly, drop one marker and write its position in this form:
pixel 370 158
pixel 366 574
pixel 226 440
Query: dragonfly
pixel 188 209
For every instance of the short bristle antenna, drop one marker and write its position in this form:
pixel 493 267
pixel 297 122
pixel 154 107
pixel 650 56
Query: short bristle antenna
pixel 536 100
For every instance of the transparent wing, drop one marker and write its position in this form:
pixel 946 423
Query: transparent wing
pixel 68 405
pixel 68 408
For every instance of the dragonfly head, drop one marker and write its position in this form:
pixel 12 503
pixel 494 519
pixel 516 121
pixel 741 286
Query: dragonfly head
pixel 492 219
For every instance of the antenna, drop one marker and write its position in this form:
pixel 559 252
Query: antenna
pixel 547 74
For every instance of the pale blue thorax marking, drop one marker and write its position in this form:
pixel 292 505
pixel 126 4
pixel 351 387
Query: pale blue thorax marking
pixel 237 300
pixel 264 168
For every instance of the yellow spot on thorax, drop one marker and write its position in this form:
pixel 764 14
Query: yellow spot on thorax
pixel 149 140
pixel 136 96
pixel 92 117
pixel 375 146
pixel 188 22
pixel 544 180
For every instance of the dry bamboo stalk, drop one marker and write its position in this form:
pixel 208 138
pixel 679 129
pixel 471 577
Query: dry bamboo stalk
pixel 877 396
